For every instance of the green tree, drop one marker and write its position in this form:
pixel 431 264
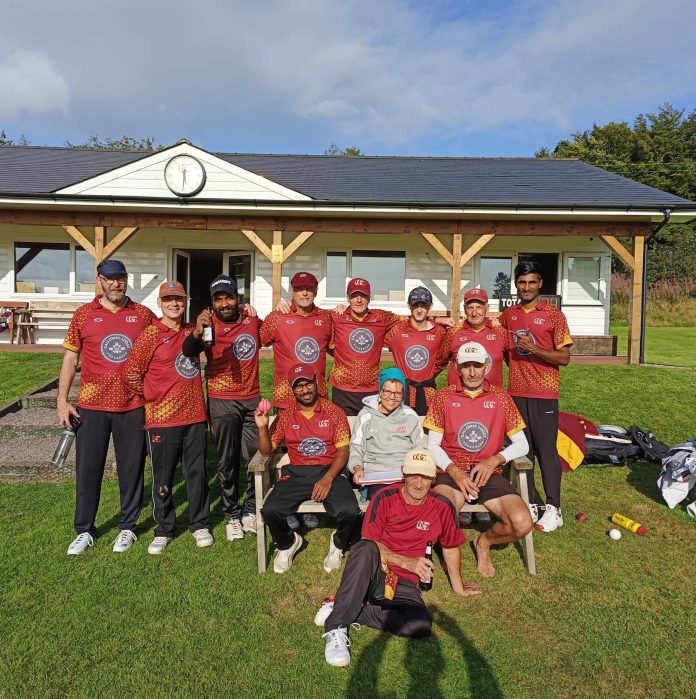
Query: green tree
pixel 352 151
pixel 658 150
pixel 123 143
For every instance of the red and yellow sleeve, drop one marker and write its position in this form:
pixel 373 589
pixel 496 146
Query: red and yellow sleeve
pixel 502 318
pixel 278 429
pixel 139 359
pixel 268 328
pixel 73 338
pixel 561 332
pixel 341 427
pixel 513 420
pixel 435 418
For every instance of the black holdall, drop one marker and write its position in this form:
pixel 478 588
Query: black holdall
pixel 650 447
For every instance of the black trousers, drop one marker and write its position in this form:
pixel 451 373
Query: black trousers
pixel 350 401
pixel 235 435
pixel 92 444
pixel 360 598
pixel 294 487
pixel 541 417
pixel 168 446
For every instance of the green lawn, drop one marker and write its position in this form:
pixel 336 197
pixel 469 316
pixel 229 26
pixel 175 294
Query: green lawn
pixel 662 345
pixel 23 371
pixel 601 618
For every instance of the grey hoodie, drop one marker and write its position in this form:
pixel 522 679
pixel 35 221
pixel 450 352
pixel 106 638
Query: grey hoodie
pixel 379 442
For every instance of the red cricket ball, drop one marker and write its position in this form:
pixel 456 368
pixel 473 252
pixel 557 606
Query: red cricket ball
pixel 264 405
pixel 581 516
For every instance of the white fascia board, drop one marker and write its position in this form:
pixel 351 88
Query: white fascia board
pixel 163 156
pixel 192 207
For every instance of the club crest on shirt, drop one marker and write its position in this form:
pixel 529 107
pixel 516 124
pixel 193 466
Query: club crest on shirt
pixel 472 436
pixel 522 332
pixel 423 525
pixel 312 446
pixel 116 347
pixel 307 350
pixel 417 357
pixel 244 347
pixel 187 367
pixel 361 340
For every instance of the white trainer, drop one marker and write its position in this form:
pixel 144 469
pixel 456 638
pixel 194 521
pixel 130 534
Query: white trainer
pixel 203 538
pixel 536 511
pixel 158 544
pixel 337 651
pixel 234 530
pixel 325 610
pixel 551 520
pixel 249 523
pixel 283 559
pixel 333 558
pixel 125 539
pixel 80 544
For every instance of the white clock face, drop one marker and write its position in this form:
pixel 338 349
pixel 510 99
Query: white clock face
pixel 184 175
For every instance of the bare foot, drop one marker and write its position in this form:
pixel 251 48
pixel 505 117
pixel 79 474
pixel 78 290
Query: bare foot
pixel 483 557
pixel 470 589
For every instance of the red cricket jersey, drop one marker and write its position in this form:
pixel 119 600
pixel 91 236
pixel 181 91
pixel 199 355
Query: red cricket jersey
pixel 531 377
pixel 313 440
pixel 418 353
pixel 474 427
pixel 297 338
pixel 170 382
pixel 407 529
pixel 233 360
pixel 104 340
pixel 357 346
pixel 493 339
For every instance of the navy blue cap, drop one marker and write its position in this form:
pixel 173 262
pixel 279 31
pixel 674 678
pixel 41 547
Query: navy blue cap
pixel 112 268
pixel 420 295
pixel 223 283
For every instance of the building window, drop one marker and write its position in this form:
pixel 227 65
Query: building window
pixel 386 272
pixel 496 276
pixel 52 268
pixel 583 279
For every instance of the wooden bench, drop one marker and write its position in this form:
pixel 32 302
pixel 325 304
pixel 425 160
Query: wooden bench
pixel 43 313
pixel 264 467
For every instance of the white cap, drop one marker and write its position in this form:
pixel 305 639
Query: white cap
pixel 419 462
pixel 472 352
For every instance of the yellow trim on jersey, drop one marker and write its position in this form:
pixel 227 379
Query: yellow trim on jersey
pixel 519 427
pixel 565 343
pixel 342 444
pixel 430 426
pixel 72 348
pixel 309 416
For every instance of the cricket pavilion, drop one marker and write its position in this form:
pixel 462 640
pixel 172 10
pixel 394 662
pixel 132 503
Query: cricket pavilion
pixel 445 223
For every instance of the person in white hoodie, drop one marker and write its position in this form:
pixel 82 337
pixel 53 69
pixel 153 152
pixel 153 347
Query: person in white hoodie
pixel 385 431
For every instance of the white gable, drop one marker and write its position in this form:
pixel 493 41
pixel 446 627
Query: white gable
pixel 145 178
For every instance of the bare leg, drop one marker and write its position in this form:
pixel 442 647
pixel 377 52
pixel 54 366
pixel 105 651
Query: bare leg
pixel 515 522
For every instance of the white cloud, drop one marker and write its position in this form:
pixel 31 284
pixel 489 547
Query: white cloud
pixel 30 84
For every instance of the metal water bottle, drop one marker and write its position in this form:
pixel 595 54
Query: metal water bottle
pixel 429 555
pixel 66 441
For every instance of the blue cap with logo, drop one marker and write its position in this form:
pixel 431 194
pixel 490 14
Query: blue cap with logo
pixel 223 283
pixel 112 268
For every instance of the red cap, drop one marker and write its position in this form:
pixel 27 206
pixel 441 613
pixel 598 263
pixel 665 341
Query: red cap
pixel 304 279
pixel 301 371
pixel 172 288
pixel 359 286
pixel 476 295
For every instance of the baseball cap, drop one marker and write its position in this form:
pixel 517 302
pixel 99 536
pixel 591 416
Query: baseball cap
pixel 111 268
pixel 420 295
pixel 359 285
pixel 472 352
pixel 419 462
pixel 301 371
pixel 476 295
pixel 304 279
pixel 223 283
pixel 172 288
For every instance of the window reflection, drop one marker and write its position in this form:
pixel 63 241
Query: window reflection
pixel 42 268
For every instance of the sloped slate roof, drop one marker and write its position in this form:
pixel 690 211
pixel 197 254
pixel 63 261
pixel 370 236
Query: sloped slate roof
pixel 377 180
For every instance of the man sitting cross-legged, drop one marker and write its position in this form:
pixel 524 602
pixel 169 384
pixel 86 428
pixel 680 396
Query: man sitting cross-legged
pixel 468 422
pixel 379 587
pixel 316 433
pixel 385 430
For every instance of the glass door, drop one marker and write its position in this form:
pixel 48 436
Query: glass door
pixel 239 265
pixel 181 272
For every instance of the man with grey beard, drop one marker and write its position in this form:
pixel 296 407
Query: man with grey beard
pixel 101 333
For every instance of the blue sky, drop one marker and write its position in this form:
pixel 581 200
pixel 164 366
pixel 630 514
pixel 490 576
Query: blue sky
pixel 390 76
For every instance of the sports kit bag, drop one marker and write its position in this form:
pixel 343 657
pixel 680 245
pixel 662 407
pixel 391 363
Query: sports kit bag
pixel 650 446
pixel 612 451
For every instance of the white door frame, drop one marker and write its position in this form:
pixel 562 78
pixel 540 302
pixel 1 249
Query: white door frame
pixel 227 256
pixel 176 252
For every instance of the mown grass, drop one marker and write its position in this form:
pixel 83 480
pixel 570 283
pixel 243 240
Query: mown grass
pixel 662 345
pixel 22 371
pixel 601 618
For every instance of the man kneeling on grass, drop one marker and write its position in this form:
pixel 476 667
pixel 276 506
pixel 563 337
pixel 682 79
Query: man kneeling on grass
pixel 379 587
pixel 468 422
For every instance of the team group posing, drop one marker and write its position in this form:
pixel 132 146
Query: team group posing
pixel 141 384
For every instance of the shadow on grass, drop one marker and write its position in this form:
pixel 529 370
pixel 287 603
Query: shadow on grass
pixel 643 477
pixel 425 664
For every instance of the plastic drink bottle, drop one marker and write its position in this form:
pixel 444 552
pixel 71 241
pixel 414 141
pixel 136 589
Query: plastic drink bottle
pixel 429 555
pixel 631 525
pixel 67 438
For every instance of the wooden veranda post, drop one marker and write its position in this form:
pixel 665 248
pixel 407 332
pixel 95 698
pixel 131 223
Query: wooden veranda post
pixel 635 308
pixel 456 275
pixel 277 261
